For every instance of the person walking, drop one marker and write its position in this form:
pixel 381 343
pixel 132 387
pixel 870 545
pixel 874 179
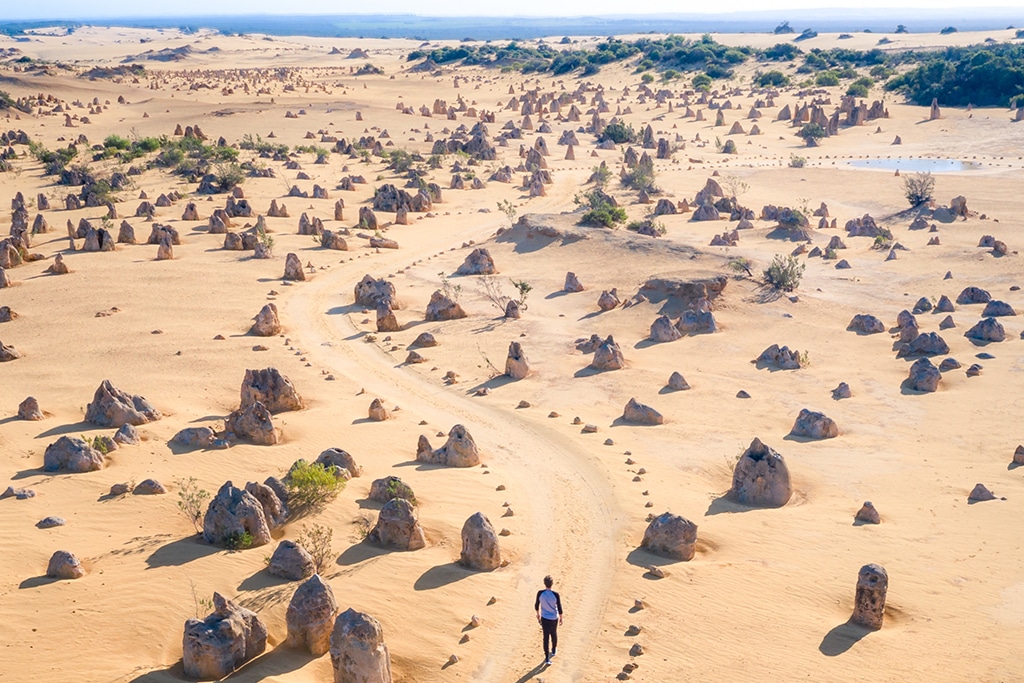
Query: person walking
pixel 549 614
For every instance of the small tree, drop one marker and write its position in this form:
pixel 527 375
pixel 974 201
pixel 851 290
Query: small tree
pixel 509 209
pixel 784 273
pixel 523 288
pixel 316 539
pixel 192 500
pixel 918 188
pixel 811 133
pixel 619 132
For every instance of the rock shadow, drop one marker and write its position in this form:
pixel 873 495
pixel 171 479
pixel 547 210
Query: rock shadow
pixel 841 638
pixel 261 580
pixel 180 552
pixel 37 581
pixel 491 384
pixel 638 557
pixel 724 504
pixel 61 430
pixel 442 575
pixel 175 672
pixel 362 552
pixel 280 661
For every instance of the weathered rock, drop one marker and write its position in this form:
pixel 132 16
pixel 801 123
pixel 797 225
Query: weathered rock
pixel 254 423
pixel 111 407
pixel 987 330
pixel 869 602
pixel 358 651
pixel 442 307
pixel 677 382
pixel 164 252
pixel 215 646
pixel 944 305
pixel 841 391
pixel 398 527
pixel 292 562
pixel 867 514
pixel 761 478
pixel 924 376
pixel 1018 455
pixel 980 493
pixel 996 309
pixel 671 536
pixel 369 292
pixel 513 310
pixel 517 365
pixel 293 269
pixel 266 322
pixel 927 344
pixel 948 364
pixel 127 435
pixel 608 300
pixel 149 487
pixel 640 413
pixel 377 411
pixel 663 330
pixel 783 358
pixel 70 454
pixel 383 490
pixel 866 324
pixel 272 389
pixel 425 340
pixel 480 549
pixel 310 616
pixel 29 409
pixel 51 521
pixel 195 437
pixel 8 353
pixel 608 356
pixel 814 425
pixel 64 565
pixel 58 267
pixel 572 283
pixel 233 513
pixel 337 457
pixel 274 509
pixel 459 451
pixel 973 295
pixel 479 262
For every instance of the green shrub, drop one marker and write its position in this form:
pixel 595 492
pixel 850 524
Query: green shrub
pixel 229 176
pixel 311 485
pixel 647 78
pixel 191 500
pixel 826 78
pixel 601 211
pixel 784 273
pixel 702 82
pixel 619 132
pixel 811 133
pixel 239 540
pixel 772 78
pixel 117 142
pixel 797 161
pixel 317 542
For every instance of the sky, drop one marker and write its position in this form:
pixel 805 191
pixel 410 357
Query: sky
pixel 75 9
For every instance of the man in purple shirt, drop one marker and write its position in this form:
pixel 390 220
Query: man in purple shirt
pixel 549 614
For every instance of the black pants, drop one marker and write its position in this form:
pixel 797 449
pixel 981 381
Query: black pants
pixel 550 629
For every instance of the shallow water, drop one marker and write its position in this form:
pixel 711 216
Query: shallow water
pixel 916 165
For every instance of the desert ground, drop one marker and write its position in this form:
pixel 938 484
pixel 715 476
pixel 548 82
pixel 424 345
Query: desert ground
pixel 769 592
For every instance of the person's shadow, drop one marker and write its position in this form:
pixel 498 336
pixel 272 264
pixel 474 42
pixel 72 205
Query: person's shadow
pixel 532 673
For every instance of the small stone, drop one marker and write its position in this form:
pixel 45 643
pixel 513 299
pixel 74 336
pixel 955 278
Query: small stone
pixel 454 659
pixel 523 404
pixel 636 650
pixel 64 565
pixel 553 414
pixel 639 604
pixel 742 394
pixel 980 493
pixel 589 429
pixel 868 514
pixel 633 630
pixel 842 391
pixel 656 572
pixel 609 442
pixel 50 522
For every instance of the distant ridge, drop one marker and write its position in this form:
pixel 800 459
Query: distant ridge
pixel 507 28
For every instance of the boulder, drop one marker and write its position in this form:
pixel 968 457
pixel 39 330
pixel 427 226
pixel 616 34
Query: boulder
pixel 358 651
pixel 369 292
pixel 671 536
pixel 867 514
pixel 761 478
pixel 944 305
pixel 310 616
pixel 293 269
pixel 973 295
pixel 872 584
pixel 195 437
pixel 608 300
pixel 783 358
pixel 274 510
pixel 386 319
pixel 460 450
pixel 398 527
pixel 866 324
pixel 254 423
pixel 8 353
pixel 214 647
pixel 383 490
pixel 29 409
pixel 662 330
pixel 127 435
pixel 64 565
pixel 479 262
pixel 608 356
pixel 149 487
pixel 424 340
pixel 339 458
pixel 480 549
pixel 70 454
pixel 924 376
pixel 292 562
pixel 841 391
pixel 572 283
pixel 814 425
pixel 517 365
pixel 980 493
pixel 272 389
pixel 987 330
pixel 641 414
pixel 232 513
pixel 442 307
pixel 927 344
pixel 377 411
pixel 111 407
pixel 676 382
pixel 513 310
pixel 996 309
pixel 266 322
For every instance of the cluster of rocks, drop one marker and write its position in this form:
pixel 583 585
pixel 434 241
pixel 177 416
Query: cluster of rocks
pixel 460 450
